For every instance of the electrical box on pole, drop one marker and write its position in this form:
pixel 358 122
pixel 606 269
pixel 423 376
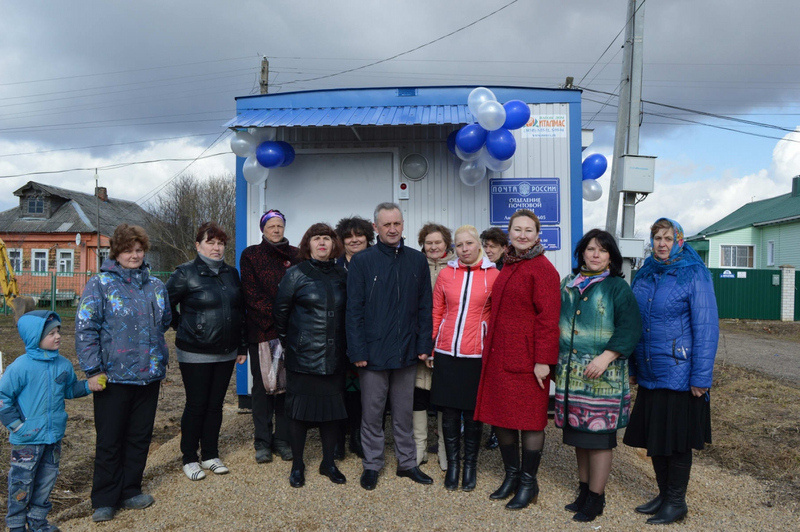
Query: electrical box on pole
pixel 637 174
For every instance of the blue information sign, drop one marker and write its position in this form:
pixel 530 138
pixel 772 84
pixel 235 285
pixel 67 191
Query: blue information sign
pixel 551 238
pixel 539 194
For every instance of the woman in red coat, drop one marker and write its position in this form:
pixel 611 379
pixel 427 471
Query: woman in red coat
pixel 521 346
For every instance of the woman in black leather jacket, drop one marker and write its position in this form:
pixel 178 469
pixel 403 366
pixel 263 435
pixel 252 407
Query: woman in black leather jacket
pixel 309 316
pixel 210 339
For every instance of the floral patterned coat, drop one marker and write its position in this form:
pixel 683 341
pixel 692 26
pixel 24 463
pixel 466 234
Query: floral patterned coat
pixel 120 325
pixel 605 317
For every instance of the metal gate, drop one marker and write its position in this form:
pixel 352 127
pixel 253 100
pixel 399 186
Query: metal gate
pixel 748 294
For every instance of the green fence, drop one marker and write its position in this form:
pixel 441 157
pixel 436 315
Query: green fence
pixel 57 291
pixel 748 294
pixel 796 296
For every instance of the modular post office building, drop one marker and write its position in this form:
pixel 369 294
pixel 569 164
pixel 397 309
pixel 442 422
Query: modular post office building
pixel 356 148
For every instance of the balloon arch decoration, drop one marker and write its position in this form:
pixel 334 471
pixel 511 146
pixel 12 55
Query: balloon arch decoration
pixel 261 152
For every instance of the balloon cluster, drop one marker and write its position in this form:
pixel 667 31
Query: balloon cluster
pixel 261 153
pixel 488 143
pixel 593 167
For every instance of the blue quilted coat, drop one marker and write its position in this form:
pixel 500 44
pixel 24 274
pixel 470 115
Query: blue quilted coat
pixel 680 330
pixel 120 325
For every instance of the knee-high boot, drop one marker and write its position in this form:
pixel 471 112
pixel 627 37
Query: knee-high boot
pixel 674 506
pixel 528 490
pixel 421 435
pixel 442 455
pixel 510 454
pixel 660 466
pixel 472 444
pixel 451 428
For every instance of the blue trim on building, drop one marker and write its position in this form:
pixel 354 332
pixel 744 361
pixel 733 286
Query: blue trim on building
pixel 398 97
pixel 576 176
pixel 242 370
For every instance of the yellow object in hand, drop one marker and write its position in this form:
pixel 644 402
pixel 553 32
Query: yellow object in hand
pixel 102 380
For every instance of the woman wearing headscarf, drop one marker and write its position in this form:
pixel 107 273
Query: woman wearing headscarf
pixel 263 266
pixel 436 242
pixel 520 347
pixel 461 306
pixel 119 339
pixel 208 314
pixel 672 365
pixel 600 326
pixel 309 315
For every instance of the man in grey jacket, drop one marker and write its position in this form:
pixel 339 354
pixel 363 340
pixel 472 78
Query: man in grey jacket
pixel 388 328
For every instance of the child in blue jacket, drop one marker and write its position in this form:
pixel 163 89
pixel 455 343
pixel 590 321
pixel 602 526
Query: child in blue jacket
pixel 32 393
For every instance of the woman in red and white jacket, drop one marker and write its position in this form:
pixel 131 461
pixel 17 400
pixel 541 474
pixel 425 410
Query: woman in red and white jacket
pixel 461 308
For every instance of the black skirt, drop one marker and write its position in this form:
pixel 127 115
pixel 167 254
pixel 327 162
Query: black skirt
pixel 666 422
pixel 455 382
pixel 315 398
pixel 590 440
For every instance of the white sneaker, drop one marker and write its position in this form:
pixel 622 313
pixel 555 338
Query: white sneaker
pixel 193 471
pixel 215 465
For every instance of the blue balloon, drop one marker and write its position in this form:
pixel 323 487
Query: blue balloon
pixel 270 154
pixel 471 138
pixel 288 153
pixel 500 144
pixel 451 142
pixel 517 114
pixel 594 166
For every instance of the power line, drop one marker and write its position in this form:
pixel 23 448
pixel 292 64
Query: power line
pixel 105 145
pixel 407 51
pixel 123 71
pixel 116 166
pixel 612 42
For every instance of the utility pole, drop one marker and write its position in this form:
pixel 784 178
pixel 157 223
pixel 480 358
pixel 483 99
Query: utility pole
pixel 264 75
pixel 97 199
pixel 626 140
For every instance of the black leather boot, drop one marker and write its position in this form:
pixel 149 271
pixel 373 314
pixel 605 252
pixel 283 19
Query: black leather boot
pixel 472 444
pixel 592 507
pixel 510 454
pixel 528 490
pixel 451 429
pixel 660 466
pixel 577 504
pixel 674 506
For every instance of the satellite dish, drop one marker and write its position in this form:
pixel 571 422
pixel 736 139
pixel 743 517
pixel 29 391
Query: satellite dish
pixel 78 239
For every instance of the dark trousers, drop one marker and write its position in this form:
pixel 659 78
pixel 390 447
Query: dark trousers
pixel 264 407
pixel 398 386
pixel 206 386
pixel 123 417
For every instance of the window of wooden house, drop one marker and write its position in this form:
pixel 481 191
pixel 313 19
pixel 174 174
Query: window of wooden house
pixel 736 256
pixel 66 261
pixel 35 205
pixel 15 257
pixel 39 261
pixel 771 253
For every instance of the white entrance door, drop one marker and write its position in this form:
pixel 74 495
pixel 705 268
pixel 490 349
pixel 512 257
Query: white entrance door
pixel 325 187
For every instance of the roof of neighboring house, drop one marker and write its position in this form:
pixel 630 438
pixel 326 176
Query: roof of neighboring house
pixel 78 214
pixel 780 209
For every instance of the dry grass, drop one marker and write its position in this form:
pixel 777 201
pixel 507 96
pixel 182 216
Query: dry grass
pixel 756 427
pixel 779 330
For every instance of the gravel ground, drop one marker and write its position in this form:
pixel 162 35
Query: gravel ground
pixel 258 497
pixel 779 358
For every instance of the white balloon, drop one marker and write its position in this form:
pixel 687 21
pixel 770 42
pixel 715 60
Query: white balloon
pixel 254 173
pixel 496 165
pixel 243 144
pixel 591 190
pixel 471 173
pixel 491 115
pixel 469 156
pixel 477 97
pixel 263 134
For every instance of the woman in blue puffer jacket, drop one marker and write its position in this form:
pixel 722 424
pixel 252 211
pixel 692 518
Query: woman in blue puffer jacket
pixel 673 365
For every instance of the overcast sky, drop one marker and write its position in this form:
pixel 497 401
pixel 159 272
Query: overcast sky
pixel 92 84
